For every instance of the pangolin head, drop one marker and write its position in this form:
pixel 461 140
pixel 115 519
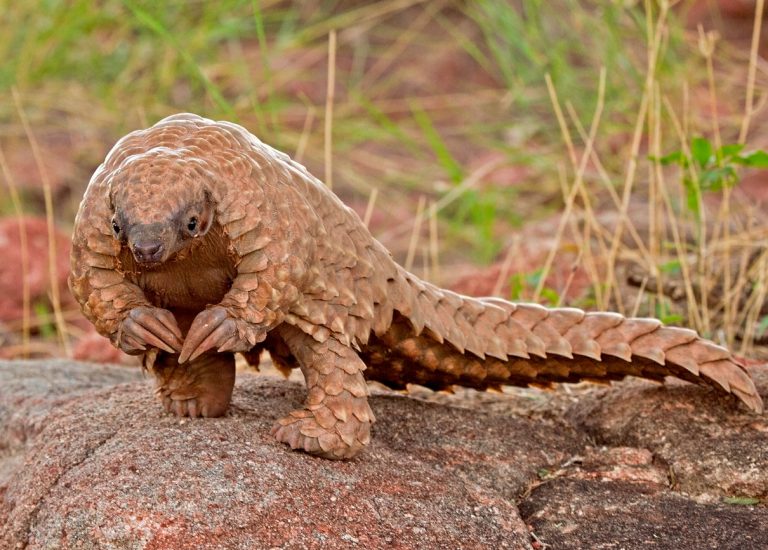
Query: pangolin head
pixel 160 204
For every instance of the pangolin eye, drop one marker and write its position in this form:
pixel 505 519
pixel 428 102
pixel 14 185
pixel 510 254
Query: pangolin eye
pixel 115 227
pixel 192 224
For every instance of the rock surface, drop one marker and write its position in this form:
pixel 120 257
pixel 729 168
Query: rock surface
pixel 88 460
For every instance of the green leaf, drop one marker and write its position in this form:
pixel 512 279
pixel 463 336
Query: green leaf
pixel 672 267
pixel 43 311
pixel 692 196
pixel 701 151
pixel 534 277
pixel 516 287
pixel 762 327
pixel 671 319
pixel 715 179
pixel 675 157
pixel 550 295
pixel 744 501
pixel 727 151
pixel 664 314
pixel 755 159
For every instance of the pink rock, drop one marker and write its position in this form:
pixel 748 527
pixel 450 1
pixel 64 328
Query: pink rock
pixel 89 460
pixel 94 348
pixel 93 462
pixel 712 447
pixel 37 275
pixel 626 464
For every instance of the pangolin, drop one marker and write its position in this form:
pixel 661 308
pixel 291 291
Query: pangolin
pixel 195 240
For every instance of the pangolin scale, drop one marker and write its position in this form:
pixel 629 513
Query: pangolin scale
pixel 195 240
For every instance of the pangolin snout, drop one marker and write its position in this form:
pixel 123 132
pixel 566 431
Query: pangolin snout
pixel 148 252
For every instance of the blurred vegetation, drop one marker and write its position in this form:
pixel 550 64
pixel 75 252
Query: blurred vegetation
pixel 433 82
pixel 488 114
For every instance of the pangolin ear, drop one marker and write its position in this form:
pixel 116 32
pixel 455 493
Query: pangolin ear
pixel 208 197
pixel 208 213
pixel 110 198
pixel 109 222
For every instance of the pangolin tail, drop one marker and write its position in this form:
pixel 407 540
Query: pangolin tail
pixel 438 339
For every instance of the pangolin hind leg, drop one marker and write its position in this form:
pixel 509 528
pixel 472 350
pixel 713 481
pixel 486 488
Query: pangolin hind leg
pixel 202 387
pixel 336 419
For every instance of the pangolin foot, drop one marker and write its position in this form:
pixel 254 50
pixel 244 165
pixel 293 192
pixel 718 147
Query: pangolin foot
pixel 200 388
pixel 303 429
pixel 204 406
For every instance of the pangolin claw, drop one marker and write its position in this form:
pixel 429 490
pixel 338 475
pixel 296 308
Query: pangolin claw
pixel 213 328
pixel 150 326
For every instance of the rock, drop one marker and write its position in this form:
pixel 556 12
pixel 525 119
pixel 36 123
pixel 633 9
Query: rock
pixel 89 460
pixel 38 273
pixel 578 513
pixel 89 345
pixel 103 466
pixel 693 470
pixel 712 447
pixel 30 392
pixel 744 9
pixel 732 20
pixel 93 347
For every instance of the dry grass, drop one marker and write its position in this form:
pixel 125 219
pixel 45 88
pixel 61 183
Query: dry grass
pixel 52 263
pixel 24 249
pixel 721 300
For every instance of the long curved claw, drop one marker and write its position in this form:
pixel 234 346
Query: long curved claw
pixel 223 332
pixel 167 319
pixel 150 326
pixel 160 323
pixel 131 344
pixel 230 345
pixel 138 332
pixel 209 330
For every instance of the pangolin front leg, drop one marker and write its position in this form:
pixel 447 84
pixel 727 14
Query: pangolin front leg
pixel 200 387
pixel 336 419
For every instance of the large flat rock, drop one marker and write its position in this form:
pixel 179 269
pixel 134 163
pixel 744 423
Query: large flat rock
pixel 89 460
pixel 105 467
